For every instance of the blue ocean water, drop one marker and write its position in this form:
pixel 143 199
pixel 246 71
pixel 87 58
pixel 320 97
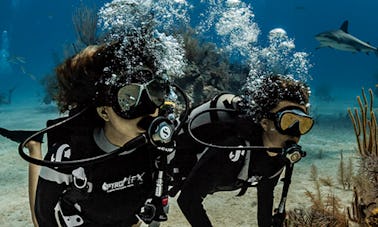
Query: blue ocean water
pixel 38 30
pixel 344 72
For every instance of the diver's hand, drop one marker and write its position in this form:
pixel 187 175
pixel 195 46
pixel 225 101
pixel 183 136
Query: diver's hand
pixel 33 145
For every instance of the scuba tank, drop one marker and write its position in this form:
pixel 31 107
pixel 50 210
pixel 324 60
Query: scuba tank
pixel 220 102
pixel 214 119
pixel 207 120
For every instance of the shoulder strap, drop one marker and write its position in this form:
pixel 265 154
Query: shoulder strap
pixel 213 104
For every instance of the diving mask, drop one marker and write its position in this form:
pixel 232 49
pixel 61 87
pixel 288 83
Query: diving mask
pixel 292 121
pixel 134 100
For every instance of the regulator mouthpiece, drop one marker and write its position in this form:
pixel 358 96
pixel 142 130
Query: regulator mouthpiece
pixel 293 152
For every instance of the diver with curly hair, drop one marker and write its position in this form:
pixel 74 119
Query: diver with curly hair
pixel 268 120
pixel 104 164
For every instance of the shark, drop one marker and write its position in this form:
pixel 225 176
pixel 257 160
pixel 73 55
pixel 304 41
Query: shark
pixel 340 39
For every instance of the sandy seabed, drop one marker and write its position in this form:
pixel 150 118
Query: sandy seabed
pixel 331 134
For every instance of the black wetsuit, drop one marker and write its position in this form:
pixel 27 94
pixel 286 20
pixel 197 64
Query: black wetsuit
pixel 109 193
pixel 224 170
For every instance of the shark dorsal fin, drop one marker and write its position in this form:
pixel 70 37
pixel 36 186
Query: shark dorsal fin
pixel 344 26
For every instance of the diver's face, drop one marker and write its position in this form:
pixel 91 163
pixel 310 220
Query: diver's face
pixel 273 137
pixel 119 130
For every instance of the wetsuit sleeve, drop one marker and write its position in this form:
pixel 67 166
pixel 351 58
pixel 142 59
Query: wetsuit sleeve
pixel 20 136
pixel 191 198
pixel 265 196
pixel 190 202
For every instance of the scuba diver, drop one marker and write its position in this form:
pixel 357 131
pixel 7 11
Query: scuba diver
pixel 105 162
pixel 235 142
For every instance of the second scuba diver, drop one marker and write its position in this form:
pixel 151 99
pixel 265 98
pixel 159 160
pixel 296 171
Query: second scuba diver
pixel 269 119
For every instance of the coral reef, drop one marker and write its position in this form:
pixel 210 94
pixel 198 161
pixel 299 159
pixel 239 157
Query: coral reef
pixel 345 173
pixel 363 210
pixel 326 209
pixel 366 190
pixel 208 72
pixel 49 82
pixel 212 68
pixel 84 20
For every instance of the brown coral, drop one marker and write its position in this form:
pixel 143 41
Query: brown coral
pixel 364 207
